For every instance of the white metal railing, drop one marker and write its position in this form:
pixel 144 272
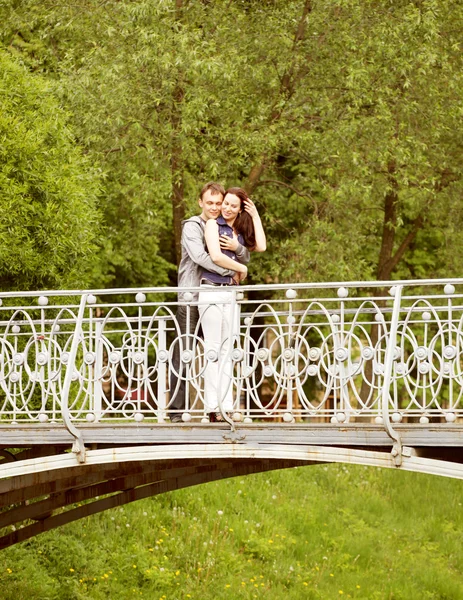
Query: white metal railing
pixel 336 352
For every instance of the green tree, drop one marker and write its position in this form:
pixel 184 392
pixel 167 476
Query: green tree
pixel 48 189
pixel 341 117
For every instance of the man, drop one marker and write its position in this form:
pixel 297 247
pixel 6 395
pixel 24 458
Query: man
pixel 194 260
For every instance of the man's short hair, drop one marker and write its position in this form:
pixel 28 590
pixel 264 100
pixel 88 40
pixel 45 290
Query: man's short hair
pixel 215 188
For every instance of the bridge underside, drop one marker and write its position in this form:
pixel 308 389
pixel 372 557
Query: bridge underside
pixel 44 486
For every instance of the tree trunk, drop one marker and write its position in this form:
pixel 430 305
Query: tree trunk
pixel 388 260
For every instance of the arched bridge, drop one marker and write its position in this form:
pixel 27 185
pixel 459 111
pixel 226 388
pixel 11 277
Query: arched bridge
pixel 363 372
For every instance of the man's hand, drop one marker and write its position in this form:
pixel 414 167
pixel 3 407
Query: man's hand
pixel 242 276
pixel 239 276
pixel 228 243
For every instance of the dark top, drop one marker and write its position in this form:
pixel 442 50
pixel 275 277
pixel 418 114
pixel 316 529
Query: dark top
pixel 224 229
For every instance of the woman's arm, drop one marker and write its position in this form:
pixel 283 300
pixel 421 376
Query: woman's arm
pixel 261 240
pixel 211 234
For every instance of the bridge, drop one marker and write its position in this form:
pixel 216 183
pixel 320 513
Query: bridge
pixel 364 373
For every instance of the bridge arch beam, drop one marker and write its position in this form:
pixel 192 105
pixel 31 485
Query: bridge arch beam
pixel 127 474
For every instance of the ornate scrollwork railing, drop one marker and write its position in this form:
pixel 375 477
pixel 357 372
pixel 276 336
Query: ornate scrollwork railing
pixel 317 353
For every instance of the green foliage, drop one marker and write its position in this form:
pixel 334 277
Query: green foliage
pixel 317 532
pixel 48 189
pixel 342 117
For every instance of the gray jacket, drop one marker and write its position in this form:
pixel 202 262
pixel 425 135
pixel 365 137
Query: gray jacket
pixel 196 259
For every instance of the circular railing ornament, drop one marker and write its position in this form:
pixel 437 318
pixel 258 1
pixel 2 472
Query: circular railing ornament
pixel 426 315
pixel 268 371
pixel 335 318
pixel 211 356
pixel 341 354
pixel 64 358
pixel 378 368
pixel 449 289
pixel 16 329
pixel 138 357
pixel 42 358
pixel 237 355
pixel 43 301
pixel 138 417
pixel 163 356
pixel 262 354
pixel 379 318
pixel 424 367
pixel 343 292
pixel 314 354
pixel 90 417
pixel 18 359
pixel 89 358
pixel 140 298
pixel 379 420
pixel 186 417
pixel 291 320
pixel 43 418
pixel 91 299
pixel 188 297
pixel 396 417
pixel 239 296
pixel 450 352
pixel 312 370
pixel 367 353
pixel 288 417
pixel 288 354
pixel 421 352
pixel 400 368
pixel 450 417
pixel 340 417
pixel 114 357
pixel 14 377
pixel 424 419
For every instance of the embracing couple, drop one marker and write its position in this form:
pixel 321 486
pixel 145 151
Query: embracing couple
pixel 216 248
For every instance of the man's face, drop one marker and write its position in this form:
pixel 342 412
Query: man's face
pixel 211 204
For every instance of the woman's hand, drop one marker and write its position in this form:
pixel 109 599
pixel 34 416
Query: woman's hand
pixel 228 243
pixel 250 208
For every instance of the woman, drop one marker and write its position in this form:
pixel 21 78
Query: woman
pixel 239 223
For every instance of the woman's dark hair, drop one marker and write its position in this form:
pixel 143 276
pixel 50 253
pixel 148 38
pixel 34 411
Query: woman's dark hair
pixel 243 223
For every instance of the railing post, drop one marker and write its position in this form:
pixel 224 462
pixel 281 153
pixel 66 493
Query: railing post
pixel 389 361
pixel 78 446
pixel 97 372
pixel 162 372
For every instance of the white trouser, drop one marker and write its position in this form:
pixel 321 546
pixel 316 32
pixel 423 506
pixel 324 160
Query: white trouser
pixel 215 321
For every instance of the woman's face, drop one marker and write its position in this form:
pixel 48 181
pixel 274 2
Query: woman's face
pixel 231 207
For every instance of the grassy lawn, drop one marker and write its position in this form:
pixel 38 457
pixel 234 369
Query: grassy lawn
pixel 324 532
